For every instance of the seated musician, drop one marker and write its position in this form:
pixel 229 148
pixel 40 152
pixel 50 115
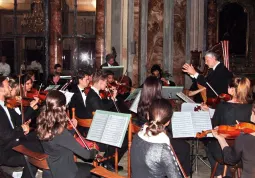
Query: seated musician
pixel 157 72
pixel 151 155
pixel 58 143
pixel 227 113
pixel 57 68
pixel 12 134
pixel 95 102
pixel 218 75
pixel 243 149
pixel 110 61
pixel 30 109
pixel 54 79
pixel 152 90
pixel 27 84
pixel 78 100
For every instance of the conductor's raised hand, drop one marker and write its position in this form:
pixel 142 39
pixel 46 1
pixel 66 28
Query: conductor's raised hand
pixel 188 69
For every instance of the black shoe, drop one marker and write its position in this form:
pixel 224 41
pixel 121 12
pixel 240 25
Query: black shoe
pixel 111 168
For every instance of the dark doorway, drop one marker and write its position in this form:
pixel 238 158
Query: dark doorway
pixel 8 51
pixel 233 27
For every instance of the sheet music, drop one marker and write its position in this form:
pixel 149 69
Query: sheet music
pixel 189 107
pixel 201 121
pixel 134 105
pixel 98 124
pixel 182 125
pixel 115 130
pixel 187 124
pixel 68 96
pixel 133 95
pixel 109 127
pixel 185 97
pixel 52 87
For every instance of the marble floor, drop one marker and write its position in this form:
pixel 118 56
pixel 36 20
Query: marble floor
pixel 202 170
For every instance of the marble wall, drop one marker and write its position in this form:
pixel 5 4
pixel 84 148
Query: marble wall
pixel 179 40
pixel 155 33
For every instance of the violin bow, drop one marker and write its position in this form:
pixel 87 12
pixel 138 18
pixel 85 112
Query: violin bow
pixel 212 89
pixel 78 133
pixel 21 103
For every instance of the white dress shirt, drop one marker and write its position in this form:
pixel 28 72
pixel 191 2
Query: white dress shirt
pixel 5 69
pixel 83 95
pixel 7 113
pixel 96 90
pixel 196 74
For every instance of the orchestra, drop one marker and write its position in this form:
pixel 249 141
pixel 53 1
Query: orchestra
pixel 27 109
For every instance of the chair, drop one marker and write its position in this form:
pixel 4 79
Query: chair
pixel 39 160
pixel 235 169
pixel 132 129
pixel 86 124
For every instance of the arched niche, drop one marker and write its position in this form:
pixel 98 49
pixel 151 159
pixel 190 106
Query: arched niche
pixel 233 25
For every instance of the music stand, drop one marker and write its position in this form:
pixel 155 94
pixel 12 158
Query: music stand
pixel 133 95
pixel 117 70
pixel 170 92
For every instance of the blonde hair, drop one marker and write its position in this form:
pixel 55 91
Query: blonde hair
pixel 242 88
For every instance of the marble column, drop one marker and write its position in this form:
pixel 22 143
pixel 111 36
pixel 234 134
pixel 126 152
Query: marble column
pixel 100 32
pixel 211 23
pixel 179 41
pixel 56 51
pixel 155 33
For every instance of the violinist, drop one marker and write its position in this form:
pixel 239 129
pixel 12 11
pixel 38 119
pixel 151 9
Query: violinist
pixel 227 113
pixel 78 100
pixel 27 84
pixel 13 133
pixel 59 143
pixel 218 75
pixel 157 72
pixel 54 79
pixel 95 102
pixel 243 150
pixel 14 101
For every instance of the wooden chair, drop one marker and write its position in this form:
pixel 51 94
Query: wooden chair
pixel 86 123
pixel 132 129
pixel 234 169
pixel 39 160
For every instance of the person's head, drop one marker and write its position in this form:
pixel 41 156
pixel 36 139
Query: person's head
pixel 31 74
pixel 110 59
pixel 239 88
pixel 100 80
pixel 160 113
pixel 3 59
pixel 156 71
pixel 110 76
pixel 27 82
pixel 56 77
pixel 58 68
pixel 211 59
pixel 151 90
pixel 90 72
pixel 253 113
pixel 52 119
pixel 14 85
pixel 83 78
pixel 5 90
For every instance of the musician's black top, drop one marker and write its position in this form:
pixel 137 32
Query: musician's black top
pixel 228 113
pixel 152 158
pixel 243 150
pixel 61 151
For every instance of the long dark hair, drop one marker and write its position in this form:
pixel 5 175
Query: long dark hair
pixel 151 90
pixel 52 118
pixel 160 113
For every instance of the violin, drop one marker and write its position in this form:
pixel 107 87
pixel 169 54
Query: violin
pixel 41 95
pixel 13 102
pixel 230 132
pixel 214 101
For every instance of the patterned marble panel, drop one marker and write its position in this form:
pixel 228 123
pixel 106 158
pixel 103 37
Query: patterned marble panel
pixel 135 77
pixel 179 40
pixel 56 51
pixel 155 33
pixel 99 32
pixel 211 24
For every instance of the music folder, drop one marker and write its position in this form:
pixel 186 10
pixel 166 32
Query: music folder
pixel 52 87
pixel 170 92
pixel 109 127
pixel 117 70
